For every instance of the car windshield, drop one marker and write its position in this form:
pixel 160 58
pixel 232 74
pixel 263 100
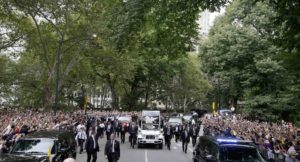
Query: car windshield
pixel 150 127
pixel 34 146
pixel 175 120
pixel 239 154
pixel 151 119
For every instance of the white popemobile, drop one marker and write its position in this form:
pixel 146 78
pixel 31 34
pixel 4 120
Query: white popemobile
pixel 150 131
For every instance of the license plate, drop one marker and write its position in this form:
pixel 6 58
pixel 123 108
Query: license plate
pixel 150 141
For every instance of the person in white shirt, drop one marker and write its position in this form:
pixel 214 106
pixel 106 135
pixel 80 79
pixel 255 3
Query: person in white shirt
pixel 80 138
pixel 291 154
pixel 80 126
pixel 102 127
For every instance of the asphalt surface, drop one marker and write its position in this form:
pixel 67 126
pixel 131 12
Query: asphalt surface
pixel 145 154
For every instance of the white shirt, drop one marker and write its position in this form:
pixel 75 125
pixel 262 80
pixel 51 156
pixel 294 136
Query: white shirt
pixel 201 133
pixel 80 126
pixel 94 142
pixel 81 135
pixel 113 145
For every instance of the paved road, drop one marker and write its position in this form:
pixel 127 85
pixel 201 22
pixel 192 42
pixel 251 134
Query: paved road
pixel 147 154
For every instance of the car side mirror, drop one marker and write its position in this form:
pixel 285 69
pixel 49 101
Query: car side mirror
pixel 210 158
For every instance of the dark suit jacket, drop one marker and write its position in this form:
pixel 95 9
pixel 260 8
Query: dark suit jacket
pixel 112 129
pixel 196 131
pixel 89 145
pixel 166 131
pixel 99 130
pixel 108 149
pixel 133 130
pixel 123 128
pixel 185 138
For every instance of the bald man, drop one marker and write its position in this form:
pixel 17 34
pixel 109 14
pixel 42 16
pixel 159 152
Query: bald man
pixel 69 160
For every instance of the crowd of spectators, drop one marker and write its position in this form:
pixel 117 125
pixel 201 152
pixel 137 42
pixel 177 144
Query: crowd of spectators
pixel 16 123
pixel 276 141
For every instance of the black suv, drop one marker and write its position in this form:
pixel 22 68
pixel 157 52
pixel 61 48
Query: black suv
pixel 42 146
pixel 214 149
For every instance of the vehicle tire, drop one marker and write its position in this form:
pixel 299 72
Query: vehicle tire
pixel 139 145
pixel 161 146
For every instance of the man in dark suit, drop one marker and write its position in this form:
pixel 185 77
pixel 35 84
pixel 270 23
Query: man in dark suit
pixel 133 131
pixel 123 128
pixel 194 134
pixel 109 129
pixel 92 146
pixel 117 128
pixel 177 132
pixel 185 138
pixel 98 130
pixel 112 149
pixel 168 135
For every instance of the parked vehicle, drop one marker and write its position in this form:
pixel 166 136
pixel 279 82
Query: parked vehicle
pixel 43 146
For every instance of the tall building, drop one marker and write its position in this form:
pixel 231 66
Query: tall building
pixel 204 23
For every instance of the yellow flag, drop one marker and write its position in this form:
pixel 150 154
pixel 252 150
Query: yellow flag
pixel 213 107
pixel 49 154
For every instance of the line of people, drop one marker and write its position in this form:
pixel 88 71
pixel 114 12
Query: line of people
pixel 184 133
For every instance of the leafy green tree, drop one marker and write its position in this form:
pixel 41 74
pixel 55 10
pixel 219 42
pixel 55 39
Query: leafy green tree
pixel 239 52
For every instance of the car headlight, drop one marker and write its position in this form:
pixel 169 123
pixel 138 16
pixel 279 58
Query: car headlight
pixel 160 136
pixel 140 136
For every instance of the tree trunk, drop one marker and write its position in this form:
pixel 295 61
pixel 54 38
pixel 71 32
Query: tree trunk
pixel 48 98
pixel 184 104
pixel 114 96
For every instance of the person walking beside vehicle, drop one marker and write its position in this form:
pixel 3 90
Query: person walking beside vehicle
pixel 177 132
pixel 168 135
pixel 185 138
pixel 195 132
pixel 92 146
pixel 133 130
pixel 80 138
pixel 112 149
